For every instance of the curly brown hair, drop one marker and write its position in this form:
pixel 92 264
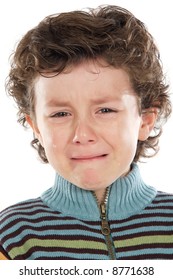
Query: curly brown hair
pixel 108 32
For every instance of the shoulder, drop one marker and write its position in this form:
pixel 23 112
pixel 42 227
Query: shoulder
pixel 22 211
pixel 164 197
pixel 162 201
pixel 21 216
pixel 21 207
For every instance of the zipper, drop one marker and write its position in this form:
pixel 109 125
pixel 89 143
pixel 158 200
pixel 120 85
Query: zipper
pixel 105 228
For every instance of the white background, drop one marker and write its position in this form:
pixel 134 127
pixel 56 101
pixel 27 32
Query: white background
pixel 22 176
pixel 91 270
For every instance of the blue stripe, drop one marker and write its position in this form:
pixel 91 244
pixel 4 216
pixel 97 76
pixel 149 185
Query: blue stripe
pixel 140 221
pixel 145 251
pixel 142 230
pixel 41 254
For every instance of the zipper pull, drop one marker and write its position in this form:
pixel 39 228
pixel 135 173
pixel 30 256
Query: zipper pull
pixel 105 229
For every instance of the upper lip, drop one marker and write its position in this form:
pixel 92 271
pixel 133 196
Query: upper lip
pixel 88 156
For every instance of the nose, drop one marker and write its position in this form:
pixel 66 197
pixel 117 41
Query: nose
pixel 84 134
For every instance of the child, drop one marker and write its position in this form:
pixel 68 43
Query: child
pixel 91 86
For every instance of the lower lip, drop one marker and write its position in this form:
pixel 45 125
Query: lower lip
pixel 89 159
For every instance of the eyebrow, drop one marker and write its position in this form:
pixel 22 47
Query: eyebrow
pixel 56 103
pixel 104 99
pixel 95 101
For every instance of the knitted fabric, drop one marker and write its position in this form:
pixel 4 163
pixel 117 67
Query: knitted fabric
pixel 64 223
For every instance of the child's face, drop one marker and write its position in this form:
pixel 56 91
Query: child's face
pixel 88 121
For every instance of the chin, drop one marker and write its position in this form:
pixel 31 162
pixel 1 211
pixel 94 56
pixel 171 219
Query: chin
pixel 87 184
pixel 92 185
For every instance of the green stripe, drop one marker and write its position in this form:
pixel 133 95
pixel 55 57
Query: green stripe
pixel 144 240
pixel 77 244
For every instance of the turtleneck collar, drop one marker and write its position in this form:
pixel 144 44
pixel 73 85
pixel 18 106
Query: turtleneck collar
pixel 127 196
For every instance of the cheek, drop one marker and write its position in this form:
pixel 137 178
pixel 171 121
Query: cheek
pixel 123 136
pixel 54 141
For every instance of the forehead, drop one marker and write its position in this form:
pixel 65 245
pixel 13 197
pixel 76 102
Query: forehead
pixel 88 78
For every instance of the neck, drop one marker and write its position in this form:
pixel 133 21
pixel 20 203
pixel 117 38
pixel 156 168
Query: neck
pixel 102 193
pixel 126 196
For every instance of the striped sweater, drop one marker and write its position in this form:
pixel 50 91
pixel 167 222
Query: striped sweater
pixel 65 223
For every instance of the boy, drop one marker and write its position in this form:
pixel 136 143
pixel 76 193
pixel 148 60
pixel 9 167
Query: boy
pixel 91 86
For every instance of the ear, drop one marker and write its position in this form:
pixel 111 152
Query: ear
pixel 148 119
pixel 33 125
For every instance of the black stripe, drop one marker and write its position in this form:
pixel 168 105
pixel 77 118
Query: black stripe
pixel 159 207
pixel 162 201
